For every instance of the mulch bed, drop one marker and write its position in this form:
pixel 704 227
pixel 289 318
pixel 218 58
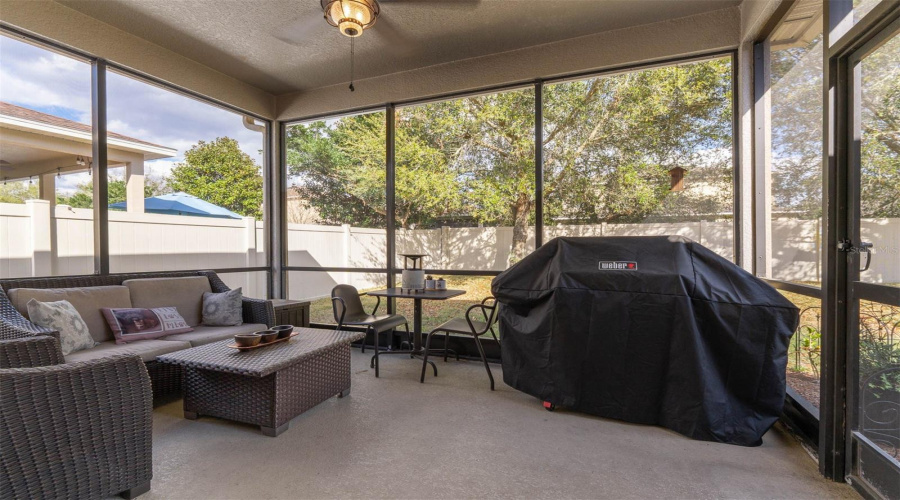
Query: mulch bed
pixel 806 385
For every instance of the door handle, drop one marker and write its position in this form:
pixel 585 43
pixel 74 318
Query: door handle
pixel 866 247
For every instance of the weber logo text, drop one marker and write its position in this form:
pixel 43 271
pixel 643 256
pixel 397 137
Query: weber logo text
pixel 617 265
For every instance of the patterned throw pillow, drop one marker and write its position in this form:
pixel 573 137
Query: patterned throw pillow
pixel 130 324
pixel 62 317
pixel 223 309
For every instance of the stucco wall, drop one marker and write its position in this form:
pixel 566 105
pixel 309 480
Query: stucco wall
pixel 67 26
pixel 754 15
pixel 717 30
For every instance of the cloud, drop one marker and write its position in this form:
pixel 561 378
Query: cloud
pixel 67 184
pixel 163 117
pixel 39 79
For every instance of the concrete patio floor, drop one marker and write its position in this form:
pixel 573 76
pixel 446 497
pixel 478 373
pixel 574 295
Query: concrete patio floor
pixel 453 438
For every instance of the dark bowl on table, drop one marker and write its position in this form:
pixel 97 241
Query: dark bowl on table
pixel 267 336
pixel 246 339
pixel 284 331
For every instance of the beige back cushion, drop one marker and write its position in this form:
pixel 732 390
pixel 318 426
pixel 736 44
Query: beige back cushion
pixel 87 301
pixel 186 294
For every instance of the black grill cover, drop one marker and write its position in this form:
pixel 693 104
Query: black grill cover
pixel 687 340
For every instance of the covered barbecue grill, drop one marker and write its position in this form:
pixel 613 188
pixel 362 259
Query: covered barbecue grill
pixel 652 330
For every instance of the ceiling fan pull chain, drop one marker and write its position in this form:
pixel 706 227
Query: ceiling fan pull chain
pixel 352 42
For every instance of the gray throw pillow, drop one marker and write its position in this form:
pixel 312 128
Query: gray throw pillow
pixel 62 317
pixel 223 309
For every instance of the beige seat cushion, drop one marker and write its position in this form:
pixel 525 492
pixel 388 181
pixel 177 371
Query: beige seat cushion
pixel 185 294
pixel 86 300
pixel 208 334
pixel 148 350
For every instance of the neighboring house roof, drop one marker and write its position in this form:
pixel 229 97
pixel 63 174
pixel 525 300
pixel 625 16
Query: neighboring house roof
pixel 181 204
pixel 8 109
pixel 17 115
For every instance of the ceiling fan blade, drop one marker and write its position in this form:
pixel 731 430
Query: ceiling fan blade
pixel 301 30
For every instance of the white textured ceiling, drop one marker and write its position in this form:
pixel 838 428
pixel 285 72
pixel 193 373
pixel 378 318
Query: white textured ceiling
pixel 282 46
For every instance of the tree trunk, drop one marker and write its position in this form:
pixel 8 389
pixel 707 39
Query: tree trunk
pixel 520 210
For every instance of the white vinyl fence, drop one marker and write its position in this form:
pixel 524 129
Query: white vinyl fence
pixel 151 242
pixel 137 242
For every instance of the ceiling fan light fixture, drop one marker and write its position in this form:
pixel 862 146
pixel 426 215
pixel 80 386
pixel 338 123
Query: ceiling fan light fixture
pixel 351 17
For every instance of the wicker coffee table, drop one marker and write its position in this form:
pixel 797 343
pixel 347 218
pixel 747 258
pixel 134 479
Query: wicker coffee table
pixel 267 386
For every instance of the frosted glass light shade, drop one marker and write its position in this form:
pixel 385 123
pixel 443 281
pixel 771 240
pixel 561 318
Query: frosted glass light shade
pixel 351 17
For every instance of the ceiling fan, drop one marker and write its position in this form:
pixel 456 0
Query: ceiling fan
pixel 353 17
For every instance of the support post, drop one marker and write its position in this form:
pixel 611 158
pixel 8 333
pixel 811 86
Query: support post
pixel 346 244
pixel 744 63
pixel 250 255
pixel 275 215
pixel 538 164
pixel 250 241
pixel 762 181
pixel 134 186
pixel 47 188
pixel 39 237
pixel 99 166
pixel 445 246
pixel 390 117
pixel 48 194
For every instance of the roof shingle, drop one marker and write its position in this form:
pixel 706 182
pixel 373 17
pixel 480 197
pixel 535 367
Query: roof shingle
pixel 7 109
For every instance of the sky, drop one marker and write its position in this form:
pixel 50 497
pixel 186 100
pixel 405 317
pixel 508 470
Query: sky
pixel 36 78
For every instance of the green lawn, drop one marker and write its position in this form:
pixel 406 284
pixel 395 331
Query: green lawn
pixel 804 346
pixel 804 351
pixel 434 312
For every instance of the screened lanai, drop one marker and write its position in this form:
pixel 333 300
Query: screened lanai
pixel 471 132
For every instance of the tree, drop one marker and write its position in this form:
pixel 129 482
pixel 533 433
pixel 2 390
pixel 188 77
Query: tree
pixel 797 166
pixel 83 197
pixel 480 152
pixel 608 146
pixel 340 173
pixel 796 125
pixel 220 173
pixel 610 143
pixel 18 192
pixel 880 148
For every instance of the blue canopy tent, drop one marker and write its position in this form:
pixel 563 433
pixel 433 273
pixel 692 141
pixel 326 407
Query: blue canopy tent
pixel 180 204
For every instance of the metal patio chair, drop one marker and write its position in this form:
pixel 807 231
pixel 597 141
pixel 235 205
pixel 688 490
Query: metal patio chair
pixel 467 326
pixel 348 310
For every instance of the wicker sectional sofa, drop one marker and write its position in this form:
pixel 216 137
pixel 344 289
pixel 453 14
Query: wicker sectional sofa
pixel 89 293
pixel 80 426
pixel 73 430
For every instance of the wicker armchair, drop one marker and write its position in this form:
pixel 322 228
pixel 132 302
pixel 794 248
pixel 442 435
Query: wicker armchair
pixel 166 378
pixel 77 430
